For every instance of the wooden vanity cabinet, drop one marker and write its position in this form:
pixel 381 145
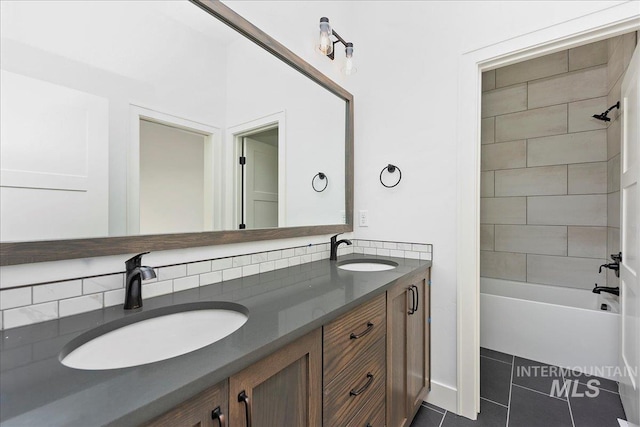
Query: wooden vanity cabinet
pixel 283 389
pixel 408 351
pixel 207 409
pixel 355 366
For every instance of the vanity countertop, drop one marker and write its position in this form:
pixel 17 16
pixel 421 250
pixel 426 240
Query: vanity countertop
pixel 36 389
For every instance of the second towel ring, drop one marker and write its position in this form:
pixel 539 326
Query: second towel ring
pixel 321 176
pixel 391 169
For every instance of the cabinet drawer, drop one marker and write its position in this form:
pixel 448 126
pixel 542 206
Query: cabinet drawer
pixel 373 413
pixel 345 396
pixel 347 336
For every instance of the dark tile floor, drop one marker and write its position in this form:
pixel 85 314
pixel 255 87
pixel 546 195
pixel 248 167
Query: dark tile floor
pixel 517 392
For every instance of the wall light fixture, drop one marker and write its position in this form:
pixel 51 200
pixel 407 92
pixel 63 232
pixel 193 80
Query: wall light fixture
pixel 327 46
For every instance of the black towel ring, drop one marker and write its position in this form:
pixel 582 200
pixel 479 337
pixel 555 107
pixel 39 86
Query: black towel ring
pixel 321 176
pixel 391 169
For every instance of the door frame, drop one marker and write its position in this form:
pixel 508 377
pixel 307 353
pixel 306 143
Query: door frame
pixel 213 152
pixel 614 20
pixel 233 138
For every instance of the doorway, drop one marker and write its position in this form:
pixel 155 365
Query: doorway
pixel 258 176
pixel 618 20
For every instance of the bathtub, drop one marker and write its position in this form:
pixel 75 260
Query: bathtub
pixel 559 326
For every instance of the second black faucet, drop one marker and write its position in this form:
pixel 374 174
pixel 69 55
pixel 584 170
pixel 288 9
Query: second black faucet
pixel 334 246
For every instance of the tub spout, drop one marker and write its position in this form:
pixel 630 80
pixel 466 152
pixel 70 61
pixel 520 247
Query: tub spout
pixel 598 289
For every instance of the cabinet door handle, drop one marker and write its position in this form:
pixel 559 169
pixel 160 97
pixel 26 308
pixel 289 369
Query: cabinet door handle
pixel 242 397
pixel 355 392
pixel 355 336
pixel 417 298
pixel 217 414
pixel 413 300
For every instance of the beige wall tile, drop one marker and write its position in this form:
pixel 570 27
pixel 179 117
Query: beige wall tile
pixel 613 174
pixel 486 237
pixel 567 210
pixel 547 180
pixel 613 241
pixel 505 100
pixel 613 209
pixel 612 43
pixel 588 178
pixel 563 271
pixel 588 55
pixel 581 112
pixel 628 46
pixel 615 67
pixel 503 265
pixel 581 147
pixel 486 184
pixel 532 239
pixel 487 127
pixel 612 98
pixel 532 123
pixel 488 80
pixel 613 139
pixel 537 68
pixel 503 210
pixel 588 242
pixel 569 87
pixel 505 155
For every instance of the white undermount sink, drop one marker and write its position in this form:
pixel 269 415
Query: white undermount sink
pixel 154 335
pixel 367 265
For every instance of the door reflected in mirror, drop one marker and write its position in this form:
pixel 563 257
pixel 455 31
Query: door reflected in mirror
pixel 128 129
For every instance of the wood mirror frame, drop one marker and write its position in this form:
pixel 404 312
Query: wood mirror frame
pixel 12 253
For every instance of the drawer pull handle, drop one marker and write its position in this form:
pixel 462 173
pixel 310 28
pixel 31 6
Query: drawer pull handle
pixel 242 397
pixel 355 336
pixel 364 387
pixel 217 414
pixel 417 297
pixel 413 301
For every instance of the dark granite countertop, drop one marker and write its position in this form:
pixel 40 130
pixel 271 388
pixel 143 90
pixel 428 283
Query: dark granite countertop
pixel 37 390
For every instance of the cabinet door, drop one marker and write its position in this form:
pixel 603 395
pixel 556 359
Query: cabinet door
pixel 283 389
pixel 418 345
pixel 397 316
pixel 208 409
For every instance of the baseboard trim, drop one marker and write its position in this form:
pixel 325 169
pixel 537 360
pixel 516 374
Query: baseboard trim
pixel 444 396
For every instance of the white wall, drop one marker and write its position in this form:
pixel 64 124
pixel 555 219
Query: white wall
pixel 407 55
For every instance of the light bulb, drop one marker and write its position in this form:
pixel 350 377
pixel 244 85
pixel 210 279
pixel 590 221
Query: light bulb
pixel 326 45
pixel 348 68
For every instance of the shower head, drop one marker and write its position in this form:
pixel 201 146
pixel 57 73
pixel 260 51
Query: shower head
pixel 603 116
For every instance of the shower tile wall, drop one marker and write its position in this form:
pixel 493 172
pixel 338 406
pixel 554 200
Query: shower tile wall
pixel 549 180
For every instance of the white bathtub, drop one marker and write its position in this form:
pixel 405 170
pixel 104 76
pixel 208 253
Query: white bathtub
pixel 558 326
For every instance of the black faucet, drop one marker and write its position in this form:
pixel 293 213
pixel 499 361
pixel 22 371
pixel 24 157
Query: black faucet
pixel 597 289
pixel 136 273
pixel 615 265
pixel 334 246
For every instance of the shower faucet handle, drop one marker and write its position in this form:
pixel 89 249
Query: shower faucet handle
pixel 617 257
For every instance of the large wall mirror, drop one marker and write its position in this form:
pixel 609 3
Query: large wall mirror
pixel 160 125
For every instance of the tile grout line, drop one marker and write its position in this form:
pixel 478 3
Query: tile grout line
pixel 423 404
pixel 491 358
pixel 513 366
pixel 539 392
pixel 494 402
pixel 443 417
pixel 573 423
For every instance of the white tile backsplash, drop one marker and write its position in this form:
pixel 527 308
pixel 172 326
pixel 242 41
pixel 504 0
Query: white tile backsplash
pixel 93 285
pixel 30 314
pixel 69 307
pixel 91 293
pixel 12 298
pixel 57 291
